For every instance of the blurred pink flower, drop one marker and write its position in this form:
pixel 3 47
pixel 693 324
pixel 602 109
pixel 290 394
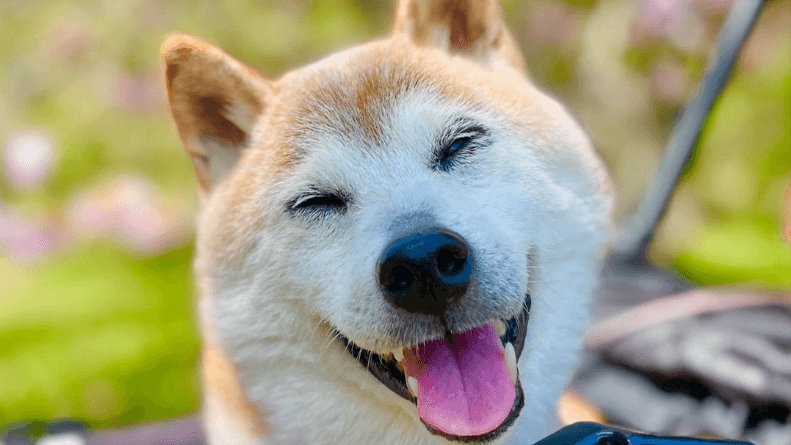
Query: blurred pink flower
pixel 25 239
pixel 138 93
pixel 677 21
pixel 669 82
pixel 714 6
pixel 769 38
pixel 553 23
pixel 28 157
pixel 90 216
pixel 658 17
pixel 70 40
pixel 129 211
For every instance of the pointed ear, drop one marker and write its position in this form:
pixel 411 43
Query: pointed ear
pixel 471 28
pixel 215 100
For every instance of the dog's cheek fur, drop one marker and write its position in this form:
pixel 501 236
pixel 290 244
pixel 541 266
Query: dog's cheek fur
pixel 262 317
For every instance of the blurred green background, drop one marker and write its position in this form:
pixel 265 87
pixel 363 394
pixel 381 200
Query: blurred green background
pixel 97 199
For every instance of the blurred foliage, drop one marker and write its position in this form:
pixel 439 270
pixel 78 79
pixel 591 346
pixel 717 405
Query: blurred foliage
pixel 96 198
pixel 99 335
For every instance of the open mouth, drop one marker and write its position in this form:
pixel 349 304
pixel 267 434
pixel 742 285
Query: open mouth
pixel 466 392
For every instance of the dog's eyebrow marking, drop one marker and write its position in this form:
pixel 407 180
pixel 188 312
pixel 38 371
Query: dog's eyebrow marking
pixel 460 138
pixel 357 105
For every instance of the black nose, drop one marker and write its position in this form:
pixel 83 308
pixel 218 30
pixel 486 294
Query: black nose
pixel 425 271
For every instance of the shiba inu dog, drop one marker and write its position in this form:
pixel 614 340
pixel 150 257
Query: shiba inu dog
pixel 396 244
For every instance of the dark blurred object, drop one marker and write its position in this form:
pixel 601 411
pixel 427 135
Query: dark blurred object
pixel 706 361
pixel 29 433
pixel 589 433
pixel 185 431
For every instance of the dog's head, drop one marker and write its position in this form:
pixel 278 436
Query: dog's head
pixel 395 225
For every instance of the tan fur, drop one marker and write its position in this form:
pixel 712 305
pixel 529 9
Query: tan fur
pixel 470 28
pixel 249 140
pixel 203 83
pixel 221 378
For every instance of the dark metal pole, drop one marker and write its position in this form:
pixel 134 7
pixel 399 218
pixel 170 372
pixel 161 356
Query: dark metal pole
pixel 632 240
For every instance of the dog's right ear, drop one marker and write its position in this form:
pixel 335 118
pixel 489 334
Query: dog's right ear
pixel 215 100
pixel 469 28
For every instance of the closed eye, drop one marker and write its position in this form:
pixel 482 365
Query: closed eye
pixel 457 143
pixel 319 203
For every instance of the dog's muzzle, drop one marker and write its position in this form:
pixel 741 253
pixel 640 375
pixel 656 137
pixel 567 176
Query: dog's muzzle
pixel 466 386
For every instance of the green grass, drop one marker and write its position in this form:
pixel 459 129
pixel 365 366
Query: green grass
pixel 100 335
pixel 738 252
pixel 741 174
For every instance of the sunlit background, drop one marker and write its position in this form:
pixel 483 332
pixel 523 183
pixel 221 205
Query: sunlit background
pixel 97 198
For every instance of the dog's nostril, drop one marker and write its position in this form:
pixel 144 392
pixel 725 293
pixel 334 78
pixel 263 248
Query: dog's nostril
pixel 450 261
pixel 401 278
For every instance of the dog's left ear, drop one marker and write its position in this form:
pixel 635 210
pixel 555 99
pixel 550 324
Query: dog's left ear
pixel 470 28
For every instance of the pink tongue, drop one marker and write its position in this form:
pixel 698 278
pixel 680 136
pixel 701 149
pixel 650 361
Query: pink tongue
pixel 466 391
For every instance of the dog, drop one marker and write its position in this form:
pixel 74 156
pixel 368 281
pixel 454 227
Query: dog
pixel 397 244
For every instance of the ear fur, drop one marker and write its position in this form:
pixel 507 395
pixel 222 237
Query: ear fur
pixel 215 100
pixel 471 28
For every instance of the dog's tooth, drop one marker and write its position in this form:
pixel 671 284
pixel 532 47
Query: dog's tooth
pixel 411 382
pixel 500 327
pixel 399 355
pixel 510 360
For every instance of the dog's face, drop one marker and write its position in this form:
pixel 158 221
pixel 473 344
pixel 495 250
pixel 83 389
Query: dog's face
pixel 385 233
